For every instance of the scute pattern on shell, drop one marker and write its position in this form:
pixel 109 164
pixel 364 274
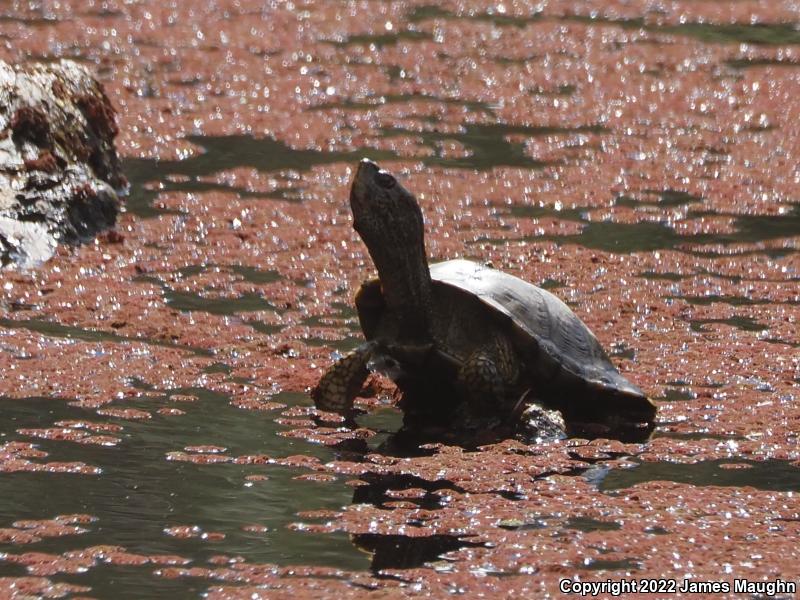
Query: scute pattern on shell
pixel 542 316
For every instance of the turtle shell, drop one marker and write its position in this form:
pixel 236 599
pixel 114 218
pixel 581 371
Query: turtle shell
pixel 558 349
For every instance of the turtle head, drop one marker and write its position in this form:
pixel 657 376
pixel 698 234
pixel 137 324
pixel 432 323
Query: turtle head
pixel 385 214
pixel 389 220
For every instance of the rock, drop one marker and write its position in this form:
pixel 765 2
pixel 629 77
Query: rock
pixel 59 170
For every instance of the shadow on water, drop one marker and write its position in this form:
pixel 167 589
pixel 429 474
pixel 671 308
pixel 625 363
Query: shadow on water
pixel 140 492
pixel 385 422
pixel 773 475
pixel 405 551
pixel 408 552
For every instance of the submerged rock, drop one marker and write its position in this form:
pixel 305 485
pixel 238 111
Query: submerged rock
pixel 59 171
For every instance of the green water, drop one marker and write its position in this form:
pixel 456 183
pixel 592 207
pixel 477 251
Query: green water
pixel 775 475
pixel 721 298
pixel 747 63
pixel 599 564
pixel 767 34
pixel 587 524
pixel 57 330
pixel 223 153
pixel 381 40
pixel 222 305
pixel 377 101
pixel 140 493
pixel 487 145
pixel 251 274
pixel 741 323
pixel 188 302
pixel 646 236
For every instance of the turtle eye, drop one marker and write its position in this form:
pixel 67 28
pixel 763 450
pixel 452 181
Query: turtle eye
pixel 385 180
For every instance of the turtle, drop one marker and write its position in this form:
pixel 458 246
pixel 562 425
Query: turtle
pixel 462 338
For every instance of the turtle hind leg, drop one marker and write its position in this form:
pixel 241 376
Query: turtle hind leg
pixel 338 387
pixel 481 381
pixel 491 380
pixel 488 377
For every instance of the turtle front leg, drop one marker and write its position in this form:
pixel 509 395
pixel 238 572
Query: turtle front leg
pixel 340 384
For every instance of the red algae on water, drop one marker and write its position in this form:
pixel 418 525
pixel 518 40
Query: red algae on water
pixel 124 413
pixel 193 531
pixel 14 587
pixel 199 458
pixel 71 435
pixel 14 458
pixel 31 531
pixel 639 163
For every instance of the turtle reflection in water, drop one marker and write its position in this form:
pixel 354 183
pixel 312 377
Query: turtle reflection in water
pixel 471 348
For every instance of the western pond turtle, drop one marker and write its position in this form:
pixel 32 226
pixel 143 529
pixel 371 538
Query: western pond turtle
pixel 460 338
